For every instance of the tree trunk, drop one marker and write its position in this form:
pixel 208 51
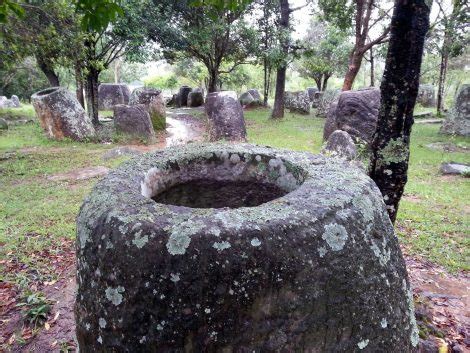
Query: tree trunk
pixel 399 88
pixel 79 84
pixel 325 81
pixel 372 78
pixel 278 109
pixel 353 68
pixel 442 79
pixel 213 84
pixel 91 87
pixel 48 70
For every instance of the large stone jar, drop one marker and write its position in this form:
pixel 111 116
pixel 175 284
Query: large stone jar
pixel 112 94
pixel 239 248
pixel 61 115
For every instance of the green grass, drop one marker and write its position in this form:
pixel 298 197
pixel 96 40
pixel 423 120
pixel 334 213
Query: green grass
pixel 37 215
pixel 26 110
pixel 434 216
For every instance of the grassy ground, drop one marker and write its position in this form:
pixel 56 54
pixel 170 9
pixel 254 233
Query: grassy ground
pixel 37 215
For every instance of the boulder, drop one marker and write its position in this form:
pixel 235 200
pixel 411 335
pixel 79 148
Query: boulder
pixel 143 95
pixel 61 115
pixel 225 117
pixel 6 103
pixel 426 96
pixel 323 100
pixel 311 93
pixel 454 168
pixel 3 124
pixel 182 98
pixel 134 120
pixel 111 94
pixel 458 118
pixel 356 112
pixel 255 94
pixel 340 144
pixel 15 100
pixel 239 248
pixel 246 99
pixel 157 112
pixel 297 102
pixel 195 98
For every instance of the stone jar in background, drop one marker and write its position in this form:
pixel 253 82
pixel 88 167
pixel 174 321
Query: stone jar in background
pixel 134 121
pixel 111 94
pixel 277 251
pixel 225 117
pixel 458 118
pixel 61 115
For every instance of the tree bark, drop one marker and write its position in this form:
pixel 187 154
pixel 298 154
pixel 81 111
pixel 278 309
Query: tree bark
pixel 325 81
pixel 399 88
pixel 79 84
pixel 278 109
pixel 442 79
pixel 48 70
pixel 213 84
pixel 354 65
pixel 372 75
pixel 91 88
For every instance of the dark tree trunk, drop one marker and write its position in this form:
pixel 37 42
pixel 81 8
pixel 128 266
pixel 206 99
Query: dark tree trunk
pixel 267 82
pixel 79 84
pixel 91 87
pixel 353 69
pixel 48 70
pixel 442 79
pixel 372 75
pixel 325 81
pixel 318 82
pixel 214 84
pixel 399 88
pixel 278 109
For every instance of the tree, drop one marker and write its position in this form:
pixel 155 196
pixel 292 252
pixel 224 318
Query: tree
pixel 213 35
pixel 363 16
pixel 326 53
pixel 49 31
pixel 448 38
pixel 399 88
pixel 268 51
pixel 284 39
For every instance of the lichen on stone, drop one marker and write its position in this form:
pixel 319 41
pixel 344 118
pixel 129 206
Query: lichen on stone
pixel 363 344
pixel 114 294
pixel 335 235
pixel 221 245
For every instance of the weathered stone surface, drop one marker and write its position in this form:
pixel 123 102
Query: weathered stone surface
pixel 3 124
pixel 317 269
pixel 143 95
pixel 6 103
pixel 455 168
pixel 120 151
pixel 15 100
pixel 255 94
pixel 195 98
pixel 323 101
pixel 111 94
pixel 157 112
pixel 341 144
pixel 246 99
pixel 225 117
pixel 311 93
pixel 61 115
pixel 356 113
pixel 250 99
pixel 426 96
pixel 458 118
pixel 182 98
pixel 134 120
pixel 297 102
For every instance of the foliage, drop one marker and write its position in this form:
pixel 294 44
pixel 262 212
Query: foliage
pixel 166 81
pixel 36 308
pixel 208 34
pixel 327 51
pixel 97 15
pixel 22 79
